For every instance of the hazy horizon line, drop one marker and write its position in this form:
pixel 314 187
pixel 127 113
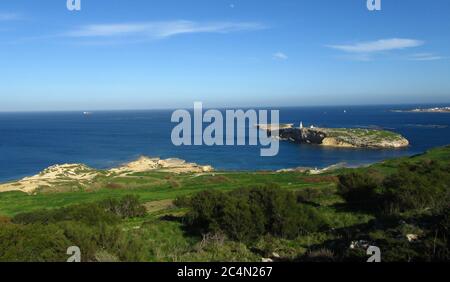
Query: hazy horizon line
pixel 443 104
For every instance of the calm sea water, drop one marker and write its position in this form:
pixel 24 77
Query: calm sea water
pixel 30 142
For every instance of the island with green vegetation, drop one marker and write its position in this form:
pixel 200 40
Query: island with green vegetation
pixel 169 210
pixel 339 137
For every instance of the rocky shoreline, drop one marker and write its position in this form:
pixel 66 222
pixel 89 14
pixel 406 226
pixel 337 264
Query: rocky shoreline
pixel 83 175
pixel 339 137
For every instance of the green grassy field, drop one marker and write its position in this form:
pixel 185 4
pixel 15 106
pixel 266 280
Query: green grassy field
pixel 154 186
pixel 162 232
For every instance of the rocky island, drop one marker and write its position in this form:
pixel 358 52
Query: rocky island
pixel 339 137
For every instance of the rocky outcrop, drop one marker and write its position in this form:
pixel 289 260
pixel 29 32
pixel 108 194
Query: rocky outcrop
pixel 340 137
pixel 314 171
pixel 144 164
pixel 80 175
pixel 54 175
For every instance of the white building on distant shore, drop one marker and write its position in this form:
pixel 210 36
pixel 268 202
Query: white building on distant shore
pixel 302 127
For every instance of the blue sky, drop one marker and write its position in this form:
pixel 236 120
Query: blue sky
pixel 143 54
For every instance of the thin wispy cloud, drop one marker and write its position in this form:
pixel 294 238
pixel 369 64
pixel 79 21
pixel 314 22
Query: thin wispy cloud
pixel 280 56
pixel 9 16
pixel 159 30
pixel 425 57
pixel 378 45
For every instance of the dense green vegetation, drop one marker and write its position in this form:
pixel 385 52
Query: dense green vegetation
pixel 363 136
pixel 155 186
pixel 45 235
pixel 359 132
pixel 416 186
pixel 246 215
pixel 411 207
pixel 399 205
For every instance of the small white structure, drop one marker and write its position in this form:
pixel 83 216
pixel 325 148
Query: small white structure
pixel 301 125
pixel 312 126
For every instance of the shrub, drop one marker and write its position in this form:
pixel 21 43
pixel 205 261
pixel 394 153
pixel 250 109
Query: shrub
pixel 81 235
pixel 359 189
pixel 417 187
pixel 127 207
pixel 436 244
pixel 105 212
pixel 45 235
pixel 182 201
pixel 242 220
pixel 91 214
pixel 32 243
pixel 247 214
pixel 49 243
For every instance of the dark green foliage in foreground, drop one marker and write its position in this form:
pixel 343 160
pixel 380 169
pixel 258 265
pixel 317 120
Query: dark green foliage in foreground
pixel 360 190
pixel 46 235
pixel 105 212
pixel 430 241
pixel 247 214
pixel 37 243
pixel 90 214
pixel 409 206
pixel 415 186
pixel 128 206
pixel 400 205
pixel 412 213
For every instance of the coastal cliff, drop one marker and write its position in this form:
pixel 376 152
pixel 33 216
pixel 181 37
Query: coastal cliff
pixel 339 137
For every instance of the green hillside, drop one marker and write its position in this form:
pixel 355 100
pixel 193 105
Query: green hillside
pixel 400 205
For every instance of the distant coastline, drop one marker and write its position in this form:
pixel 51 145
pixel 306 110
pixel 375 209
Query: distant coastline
pixel 425 110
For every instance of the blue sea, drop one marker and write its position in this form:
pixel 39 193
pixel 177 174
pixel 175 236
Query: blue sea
pixel 30 142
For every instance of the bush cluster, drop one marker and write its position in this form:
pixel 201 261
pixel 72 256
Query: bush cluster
pixel 90 214
pixel 415 186
pixel 247 214
pixel 360 190
pixel 45 235
pixel 425 185
pixel 105 212
pixel 127 207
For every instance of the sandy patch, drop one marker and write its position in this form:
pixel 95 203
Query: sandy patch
pixel 144 164
pixel 54 175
